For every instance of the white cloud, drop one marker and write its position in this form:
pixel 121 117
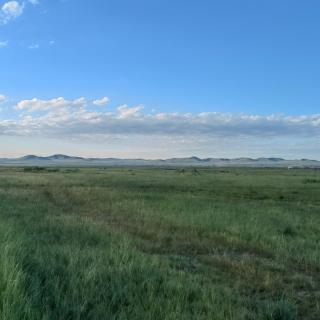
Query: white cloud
pixel 52 43
pixel 11 10
pixel 3 44
pixel 36 104
pixel 125 111
pixel 3 98
pixel 101 102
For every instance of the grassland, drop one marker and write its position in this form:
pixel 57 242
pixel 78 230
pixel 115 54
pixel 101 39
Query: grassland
pixel 159 244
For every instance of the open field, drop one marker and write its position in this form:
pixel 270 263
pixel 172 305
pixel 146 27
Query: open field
pixel 121 243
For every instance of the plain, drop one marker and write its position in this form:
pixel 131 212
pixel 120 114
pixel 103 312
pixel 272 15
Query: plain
pixel 124 243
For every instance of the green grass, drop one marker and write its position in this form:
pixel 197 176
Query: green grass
pixel 159 244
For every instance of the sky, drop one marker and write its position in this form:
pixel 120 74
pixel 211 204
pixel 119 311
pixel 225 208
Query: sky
pixel 160 78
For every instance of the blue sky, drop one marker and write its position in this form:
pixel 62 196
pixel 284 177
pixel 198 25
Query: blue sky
pixel 249 68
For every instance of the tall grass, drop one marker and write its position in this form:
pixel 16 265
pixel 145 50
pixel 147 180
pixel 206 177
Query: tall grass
pixel 159 244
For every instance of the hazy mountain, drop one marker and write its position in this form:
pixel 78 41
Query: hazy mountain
pixel 29 157
pixel 53 157
pixel 65 160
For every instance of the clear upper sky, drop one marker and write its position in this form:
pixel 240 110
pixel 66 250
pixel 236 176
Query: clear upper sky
pixel 255 57
pixel 236 56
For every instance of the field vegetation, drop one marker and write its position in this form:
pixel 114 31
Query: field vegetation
pixel 124 243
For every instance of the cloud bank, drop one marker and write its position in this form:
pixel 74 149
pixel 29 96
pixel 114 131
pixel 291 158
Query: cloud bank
pixel 59 116
pixel 87 121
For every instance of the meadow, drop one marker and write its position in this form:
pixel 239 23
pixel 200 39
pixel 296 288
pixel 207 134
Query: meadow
pixel 134 243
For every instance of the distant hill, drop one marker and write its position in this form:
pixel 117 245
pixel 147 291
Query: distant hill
pixel 53 157
pixel 65 160
pixel 29 157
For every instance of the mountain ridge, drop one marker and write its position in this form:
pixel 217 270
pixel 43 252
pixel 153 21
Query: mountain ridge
pixel 66 160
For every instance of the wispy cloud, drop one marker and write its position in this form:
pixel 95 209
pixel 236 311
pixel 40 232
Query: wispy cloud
pixel 34 46
pixel 34 2
pixel 3 44
pixel 3 98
